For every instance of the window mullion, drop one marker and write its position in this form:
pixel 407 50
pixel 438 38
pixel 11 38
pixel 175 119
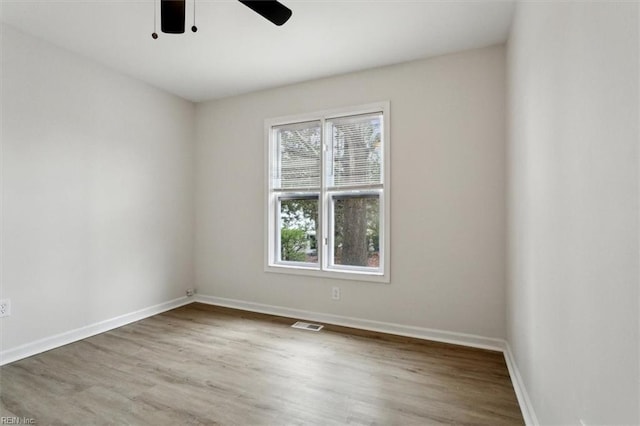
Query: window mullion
pixel 322 209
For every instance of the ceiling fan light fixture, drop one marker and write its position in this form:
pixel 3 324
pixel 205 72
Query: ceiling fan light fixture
pixel 172 14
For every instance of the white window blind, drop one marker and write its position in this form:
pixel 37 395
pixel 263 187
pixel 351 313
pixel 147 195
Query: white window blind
pixel 298 147
pixel 356 151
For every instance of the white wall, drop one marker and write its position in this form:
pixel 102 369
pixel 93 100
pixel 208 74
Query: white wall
pixel 97 196
pixel 447 195
pixel 573 209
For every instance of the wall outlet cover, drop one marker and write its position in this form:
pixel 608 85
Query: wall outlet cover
pixel 5 307
pixel 335 293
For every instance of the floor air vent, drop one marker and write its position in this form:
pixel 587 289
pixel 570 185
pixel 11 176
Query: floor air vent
pixel 307 326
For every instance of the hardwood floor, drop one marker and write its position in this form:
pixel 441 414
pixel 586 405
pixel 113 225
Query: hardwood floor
pixel 201 364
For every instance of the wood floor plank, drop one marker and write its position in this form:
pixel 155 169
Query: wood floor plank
pixel 201 364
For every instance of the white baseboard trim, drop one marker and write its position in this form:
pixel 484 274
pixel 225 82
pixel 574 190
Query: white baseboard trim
pixel 363 324
pixel 52 342
pixel 526 407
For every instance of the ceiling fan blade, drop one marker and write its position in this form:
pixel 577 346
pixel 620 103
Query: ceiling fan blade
pixel 172 16
pixel 272 10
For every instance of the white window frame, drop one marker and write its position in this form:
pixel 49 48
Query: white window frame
pixel 324 268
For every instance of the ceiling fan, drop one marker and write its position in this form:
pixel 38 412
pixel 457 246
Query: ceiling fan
pixel 172 14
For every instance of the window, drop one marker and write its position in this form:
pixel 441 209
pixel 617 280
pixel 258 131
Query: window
pixel 327 186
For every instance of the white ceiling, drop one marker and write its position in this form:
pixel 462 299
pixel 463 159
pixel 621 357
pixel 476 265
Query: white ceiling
pixel 237 51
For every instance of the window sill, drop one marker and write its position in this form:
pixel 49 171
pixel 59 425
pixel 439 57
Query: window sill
pixel 376 277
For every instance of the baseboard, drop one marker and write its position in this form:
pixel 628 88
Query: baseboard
pixel 529 415
pixel 381 327
pixel 71 336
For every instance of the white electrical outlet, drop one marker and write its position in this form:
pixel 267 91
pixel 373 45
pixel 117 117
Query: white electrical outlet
pixel 5 307
pixel 190 292
pixel 335 293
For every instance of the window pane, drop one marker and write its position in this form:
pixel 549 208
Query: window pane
pixel 298 225
pixel 298 156
pixel 356 234
pixel 357 150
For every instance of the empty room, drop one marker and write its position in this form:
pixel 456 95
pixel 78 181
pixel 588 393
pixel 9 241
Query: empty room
pixel 312 212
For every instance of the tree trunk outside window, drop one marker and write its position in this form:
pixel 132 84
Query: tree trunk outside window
pixel 355 250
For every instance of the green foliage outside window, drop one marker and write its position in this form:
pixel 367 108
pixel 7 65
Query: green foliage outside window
pixel 293 243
